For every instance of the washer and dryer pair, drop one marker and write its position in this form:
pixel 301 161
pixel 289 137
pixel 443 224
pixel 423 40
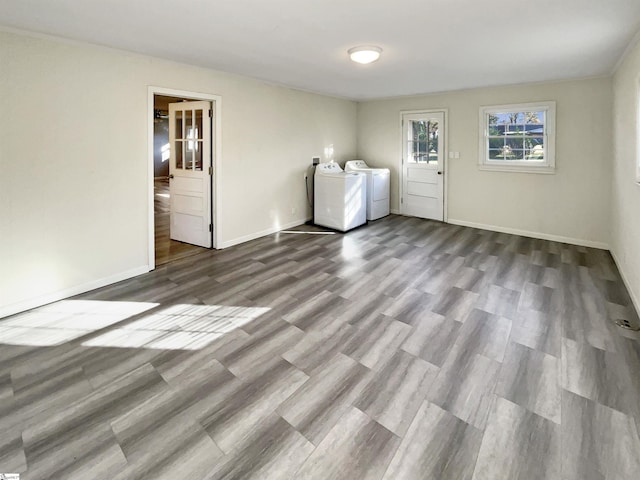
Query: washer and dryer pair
pixel 345 199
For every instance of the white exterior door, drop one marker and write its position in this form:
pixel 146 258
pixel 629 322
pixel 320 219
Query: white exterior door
pixel 423 146
pixel 190 173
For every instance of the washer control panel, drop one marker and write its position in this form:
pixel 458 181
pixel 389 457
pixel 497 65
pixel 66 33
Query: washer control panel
pixel 328 168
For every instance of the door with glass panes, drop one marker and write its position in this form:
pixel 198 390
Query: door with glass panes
pixel 190 173
pixel 423 146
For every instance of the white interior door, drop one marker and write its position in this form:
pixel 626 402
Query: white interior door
pixel 423 146
pixel 190 173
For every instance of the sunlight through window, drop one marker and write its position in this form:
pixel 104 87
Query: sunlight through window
pixel 67 320
pixel 165 152
pixel 178 327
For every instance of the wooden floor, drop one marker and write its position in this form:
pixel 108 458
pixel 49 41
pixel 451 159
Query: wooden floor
pixel 166 250
pixel 405 349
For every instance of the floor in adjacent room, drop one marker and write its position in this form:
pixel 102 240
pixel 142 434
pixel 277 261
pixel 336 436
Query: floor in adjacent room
pixel 167 250
pixel 405 349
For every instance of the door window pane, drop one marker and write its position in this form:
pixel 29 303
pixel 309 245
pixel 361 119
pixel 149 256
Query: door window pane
pixel 188 157
pixel 179 153
pixel 423 141
pixel 198 132
pixel 179 126
pixel 198 155
pixel 432 130
pixel 188 122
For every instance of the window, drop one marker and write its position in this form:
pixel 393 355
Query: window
pixel 519 138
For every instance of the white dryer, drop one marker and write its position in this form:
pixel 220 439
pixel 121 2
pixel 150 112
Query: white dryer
pixel 339 198
pixel 378 180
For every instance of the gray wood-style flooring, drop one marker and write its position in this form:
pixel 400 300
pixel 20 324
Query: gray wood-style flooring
pixel 405 349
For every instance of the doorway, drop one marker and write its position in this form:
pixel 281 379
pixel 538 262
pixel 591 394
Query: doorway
pixel 184 156
pixel 423 164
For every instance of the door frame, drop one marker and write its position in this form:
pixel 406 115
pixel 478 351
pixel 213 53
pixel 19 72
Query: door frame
pixel 216 151
pixel 445 156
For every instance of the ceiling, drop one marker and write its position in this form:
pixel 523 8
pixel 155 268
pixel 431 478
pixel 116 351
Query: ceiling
pixel 429 45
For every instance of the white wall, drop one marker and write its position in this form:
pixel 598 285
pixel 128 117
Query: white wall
pixel 74 161
pixel 625 218
pixel 572 205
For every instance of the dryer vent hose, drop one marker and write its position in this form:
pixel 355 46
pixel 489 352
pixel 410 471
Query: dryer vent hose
pixel 308 179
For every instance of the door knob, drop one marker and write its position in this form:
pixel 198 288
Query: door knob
pixel 439 173
pixel 171 175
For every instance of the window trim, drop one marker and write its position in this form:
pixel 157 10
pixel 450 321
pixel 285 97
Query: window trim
pixel 637 132
pixel 548 166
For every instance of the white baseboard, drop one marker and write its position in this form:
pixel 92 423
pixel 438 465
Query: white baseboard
pixel 394 212
pixel 625 279
pixel 263 233
pixel 6 310
pixel 526 233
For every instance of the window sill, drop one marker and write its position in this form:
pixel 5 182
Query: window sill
pixel 518 169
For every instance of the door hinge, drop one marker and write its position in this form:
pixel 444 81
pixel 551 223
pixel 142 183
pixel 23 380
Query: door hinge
pixel 210 228
pixel 210 170
pixel 210 113
pixel 401 200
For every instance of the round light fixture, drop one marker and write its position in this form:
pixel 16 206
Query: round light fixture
pixel 364 54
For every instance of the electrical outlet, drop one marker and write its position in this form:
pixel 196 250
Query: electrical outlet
pixel 293 210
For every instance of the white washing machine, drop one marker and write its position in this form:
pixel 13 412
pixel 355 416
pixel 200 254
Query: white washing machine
pixel 340 198
pixel 377 187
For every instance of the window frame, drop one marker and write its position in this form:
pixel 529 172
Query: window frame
pixel 637 132
pixel 547 166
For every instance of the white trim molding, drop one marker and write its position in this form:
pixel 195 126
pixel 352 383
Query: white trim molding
pixel 19 307
pixel 637 130
pixel 526 233
pixel 625 279
pixel 263 233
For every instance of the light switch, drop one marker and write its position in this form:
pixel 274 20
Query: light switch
pixel 456 154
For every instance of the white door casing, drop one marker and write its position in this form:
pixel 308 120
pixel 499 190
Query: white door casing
pixel 190 171
pixel 423 162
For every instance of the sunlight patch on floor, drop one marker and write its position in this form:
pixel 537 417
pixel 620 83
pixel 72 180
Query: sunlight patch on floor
pixel 66 320
pixel 178 327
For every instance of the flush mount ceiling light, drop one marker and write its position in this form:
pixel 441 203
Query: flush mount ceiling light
pixel 364 54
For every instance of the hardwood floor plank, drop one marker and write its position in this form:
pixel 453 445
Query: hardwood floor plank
pixel 597 375
pixel 356 448
pixel 233 423
pixel 467 393
pixel 597 439
pixel 432 339
pixel 316 407
pixel 437 445
pixel 395 393
pixel 531 379
pixel 518 445
pixel 276 451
